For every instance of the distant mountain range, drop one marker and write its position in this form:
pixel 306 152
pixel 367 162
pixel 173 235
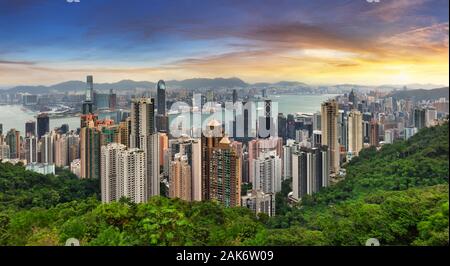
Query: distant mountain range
pixel 191 84
pixel 422 94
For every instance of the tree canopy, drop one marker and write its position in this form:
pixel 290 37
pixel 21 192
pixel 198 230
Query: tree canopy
pixel 398 195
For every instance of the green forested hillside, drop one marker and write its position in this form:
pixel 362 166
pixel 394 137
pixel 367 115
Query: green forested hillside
pixel 398 195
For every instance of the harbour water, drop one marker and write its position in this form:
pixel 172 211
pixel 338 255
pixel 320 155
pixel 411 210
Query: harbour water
pixel 15 116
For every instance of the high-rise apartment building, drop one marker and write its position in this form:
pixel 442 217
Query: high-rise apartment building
pixel 180 185
pixel 288 149
pixel 330 134
pixel 152 178
pixel 31 149
pixel 267 173
pixel 225 174
pixel 142 121
pixel 109 172
pixel 343 131
pixel 310 171
pixel 143 136
pixel 210 140
pixel 4 151
pixel 13 141
pixel 355 132
pixel 47 147
pixel 90 148
pixel 124 132
pixel 431 117
pixel 123 173
pixel 259 146
pixel 61 151
pixel 374 133
pixel 191 148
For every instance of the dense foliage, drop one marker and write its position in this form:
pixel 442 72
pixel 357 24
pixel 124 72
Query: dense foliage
pixel 20 188
pixel 398 195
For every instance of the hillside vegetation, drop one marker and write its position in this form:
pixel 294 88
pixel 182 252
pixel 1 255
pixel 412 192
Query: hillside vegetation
pixel 398 195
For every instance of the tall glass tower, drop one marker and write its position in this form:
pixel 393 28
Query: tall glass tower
pixel 161 91
pixel 87 104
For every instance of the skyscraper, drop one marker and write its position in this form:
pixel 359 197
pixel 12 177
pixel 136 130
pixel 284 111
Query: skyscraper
pixel 374 133
pixel 317 121
pixel 109 181
pixel 123 173
pixel 162 120
pixel 343 131
pixel 355 132
pixel 210 140
pixel 191 148
pixel 267 172
pixel 4 151
pixel 30 128
pixel 13 141
pixel 352 99
pixel 112 100
pixel 163 146
pixel 89 97
pixel 31 153
pixel 288 150
pixel 124 132
pixel 329 126
pixel 61 151
pixel 43 125
pixel 152 178
pixel 420 118
pixel 142 121
pixel 161 95
pixel 180 178
pixel 259 146
pixel 90 148
pixel 310 171
pixel 143 136
pixel 430 116
pixel 225 174
pixel 290 127
pixel 47 147
pixel 282 127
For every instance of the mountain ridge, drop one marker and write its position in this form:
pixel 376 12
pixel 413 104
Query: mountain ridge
pixel 193 83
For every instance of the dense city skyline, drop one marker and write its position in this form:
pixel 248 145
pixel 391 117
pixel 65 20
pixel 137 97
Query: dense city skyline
pixel 389 42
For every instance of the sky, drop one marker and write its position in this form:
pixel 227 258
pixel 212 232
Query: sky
pixel 44 42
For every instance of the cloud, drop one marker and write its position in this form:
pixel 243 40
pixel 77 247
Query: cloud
pixel 9 62
pixel 433 38
pixel 392 11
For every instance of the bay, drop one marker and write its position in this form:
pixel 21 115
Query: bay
pixel 15 116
